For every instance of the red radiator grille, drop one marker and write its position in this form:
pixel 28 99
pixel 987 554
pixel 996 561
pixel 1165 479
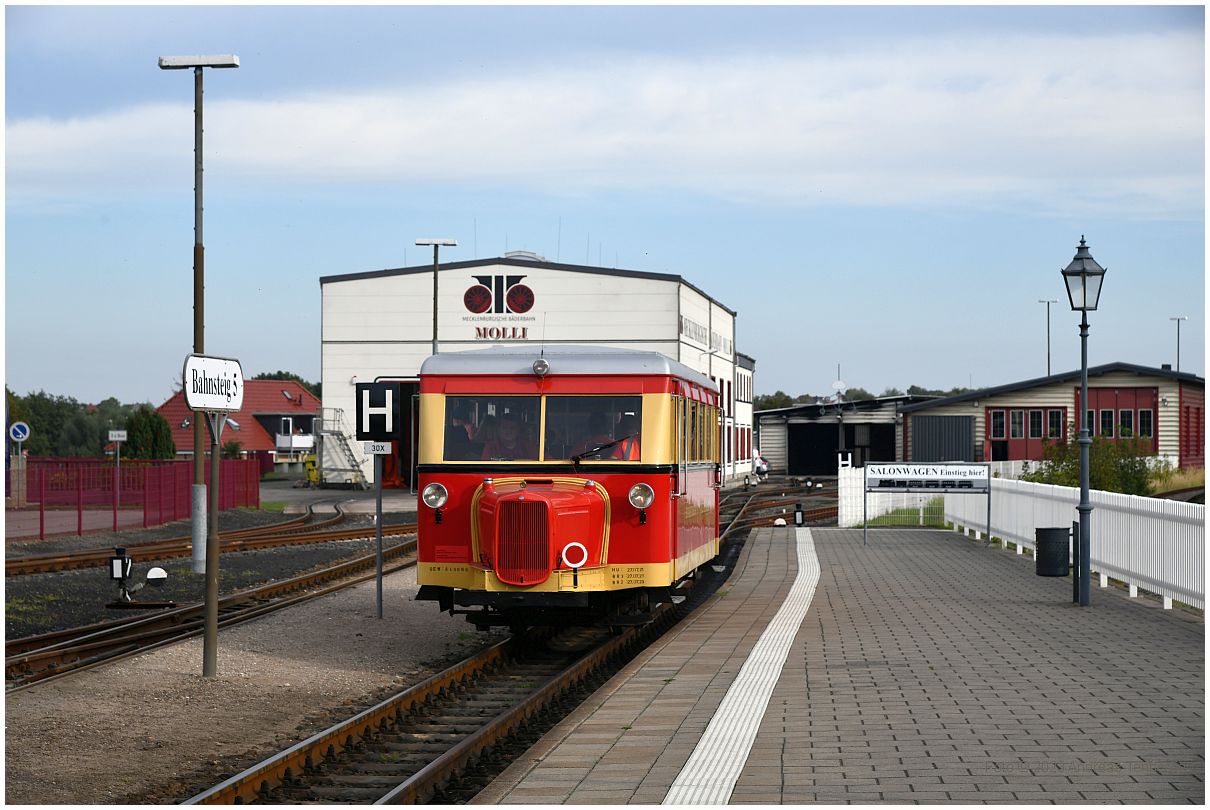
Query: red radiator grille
pixel 522 545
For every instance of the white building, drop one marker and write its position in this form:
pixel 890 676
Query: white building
pixel 379 326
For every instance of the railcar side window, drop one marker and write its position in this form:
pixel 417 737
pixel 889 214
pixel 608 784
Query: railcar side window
pixel 577 425
pixel 491 428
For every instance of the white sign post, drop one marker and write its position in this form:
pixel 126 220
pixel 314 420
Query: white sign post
pixel 19 432
pixel 214 387
pixel 117 436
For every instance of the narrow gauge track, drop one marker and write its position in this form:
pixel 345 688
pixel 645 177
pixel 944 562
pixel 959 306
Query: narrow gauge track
pixel 278 534
pixel 445 738
pixel 38 659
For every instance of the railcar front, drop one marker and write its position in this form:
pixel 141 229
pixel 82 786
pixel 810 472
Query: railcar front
pixel 573 487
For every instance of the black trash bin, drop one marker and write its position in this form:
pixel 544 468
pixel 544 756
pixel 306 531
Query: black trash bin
pixel 1050 551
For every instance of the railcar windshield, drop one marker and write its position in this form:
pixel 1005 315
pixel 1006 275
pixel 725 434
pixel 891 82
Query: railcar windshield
pixel 492 428
pixel 507 428
pixel 593 428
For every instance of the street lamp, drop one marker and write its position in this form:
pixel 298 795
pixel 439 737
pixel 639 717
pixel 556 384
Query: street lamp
pixel 1048 302
pixel 1083 277
pixel 210 643
pixel 1178 319
pixel 436 243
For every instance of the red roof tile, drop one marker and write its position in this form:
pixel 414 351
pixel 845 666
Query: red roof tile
pixel 261 398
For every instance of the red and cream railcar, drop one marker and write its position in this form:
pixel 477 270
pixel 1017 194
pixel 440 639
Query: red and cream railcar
pixel 569 485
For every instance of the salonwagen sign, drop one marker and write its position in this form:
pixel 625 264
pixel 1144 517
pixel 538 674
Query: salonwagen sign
pixel 948 477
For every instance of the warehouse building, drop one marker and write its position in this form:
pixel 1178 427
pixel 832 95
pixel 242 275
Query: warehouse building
pixel 379 326
pixel 1163 408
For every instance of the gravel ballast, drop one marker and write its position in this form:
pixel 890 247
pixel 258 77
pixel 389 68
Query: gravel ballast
pixel 150 729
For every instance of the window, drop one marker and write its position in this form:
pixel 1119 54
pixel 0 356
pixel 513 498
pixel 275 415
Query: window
pixel 1145 425
pixel 1090 419
pixel 1107 423
pixel 1126 424
pixel 1035 424
pixel 576 425
pixel 1017 424
pixel 997 424
pixel 491 428
pixel 1055 424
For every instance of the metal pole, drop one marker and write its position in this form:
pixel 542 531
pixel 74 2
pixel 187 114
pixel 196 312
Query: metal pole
pixel 378 528
pixel 199 439
pixel 1178 345
pixel 1047 338
pixel 435 249
pixel 117 470
pixel 210 639
pixel 1085 507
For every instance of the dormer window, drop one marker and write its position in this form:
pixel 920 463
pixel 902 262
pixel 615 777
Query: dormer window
pixel 287 395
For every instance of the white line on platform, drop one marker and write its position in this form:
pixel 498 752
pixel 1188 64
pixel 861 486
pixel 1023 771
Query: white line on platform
pixel 715 765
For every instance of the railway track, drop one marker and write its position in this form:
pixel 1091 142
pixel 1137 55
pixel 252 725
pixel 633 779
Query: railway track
pixel 444 739
pixel 37 659
pixel 293 531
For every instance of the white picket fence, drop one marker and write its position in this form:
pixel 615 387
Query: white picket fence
pixel 1149 543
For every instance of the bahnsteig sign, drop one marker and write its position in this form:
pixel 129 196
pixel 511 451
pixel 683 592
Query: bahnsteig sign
pixel 214 384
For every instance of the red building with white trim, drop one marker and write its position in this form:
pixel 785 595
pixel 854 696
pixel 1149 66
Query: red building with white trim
pixel 275 424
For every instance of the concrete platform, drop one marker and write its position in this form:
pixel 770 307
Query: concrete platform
pixel 928 669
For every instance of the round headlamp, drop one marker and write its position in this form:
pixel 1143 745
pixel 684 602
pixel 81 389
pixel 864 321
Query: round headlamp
pixel 541 367
pixel 641 496
pixel 434 496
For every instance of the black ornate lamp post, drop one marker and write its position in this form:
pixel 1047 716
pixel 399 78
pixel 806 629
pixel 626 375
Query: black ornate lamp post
pixel 1083 277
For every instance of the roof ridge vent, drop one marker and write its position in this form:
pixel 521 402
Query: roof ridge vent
pixel 524 254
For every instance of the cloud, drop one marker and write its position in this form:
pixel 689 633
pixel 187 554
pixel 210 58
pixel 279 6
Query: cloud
pixel 1103 123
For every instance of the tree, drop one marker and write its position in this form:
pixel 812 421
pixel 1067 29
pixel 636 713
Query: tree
pixel 233 448
pixel 854 394
pixel 891 392
pixel 778 399
pixel 79 436
pixel 314 388
pixel 148 435
pixel 46 415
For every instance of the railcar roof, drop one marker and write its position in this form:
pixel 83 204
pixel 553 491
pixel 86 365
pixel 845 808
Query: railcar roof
pixel 602 360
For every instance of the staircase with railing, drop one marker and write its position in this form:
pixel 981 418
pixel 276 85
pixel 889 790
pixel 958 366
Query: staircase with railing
pixel 339 464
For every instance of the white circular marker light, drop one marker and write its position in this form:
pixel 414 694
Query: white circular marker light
pixel 541 367
pixel 641 496
pixel 435 496
pixel 571 550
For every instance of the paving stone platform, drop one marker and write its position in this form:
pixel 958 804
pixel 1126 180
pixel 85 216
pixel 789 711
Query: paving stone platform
pixel 928 669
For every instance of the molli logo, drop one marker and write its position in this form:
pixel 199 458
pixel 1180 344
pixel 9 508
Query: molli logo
pixel 498 294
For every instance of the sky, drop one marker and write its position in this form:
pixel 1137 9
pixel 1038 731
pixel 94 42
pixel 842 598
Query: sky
pixel 890 190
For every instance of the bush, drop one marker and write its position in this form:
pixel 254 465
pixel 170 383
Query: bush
pixel 1124 465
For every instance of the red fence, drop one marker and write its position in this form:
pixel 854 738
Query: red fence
pixel 161 489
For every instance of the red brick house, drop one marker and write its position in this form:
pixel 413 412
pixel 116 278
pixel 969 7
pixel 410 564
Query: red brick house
pixel 275 424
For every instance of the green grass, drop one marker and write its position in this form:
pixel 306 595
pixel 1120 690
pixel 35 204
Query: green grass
pixel 273 506
pixel 934 516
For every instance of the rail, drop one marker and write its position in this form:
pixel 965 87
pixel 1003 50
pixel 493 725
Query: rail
pixel 1149 543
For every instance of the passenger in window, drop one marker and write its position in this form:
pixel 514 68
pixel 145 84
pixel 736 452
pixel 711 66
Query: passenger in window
pixel 512 441
pixel 457 439
pixel 627 448
pixel 596 435
pixel 486 432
